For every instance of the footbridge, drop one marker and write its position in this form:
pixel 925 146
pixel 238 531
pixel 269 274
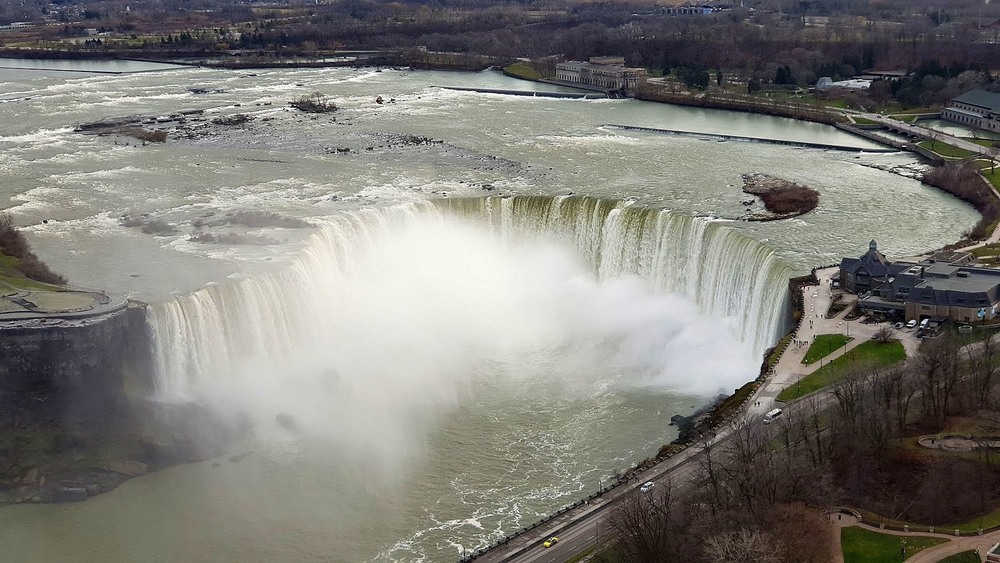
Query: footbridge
pixel 726 137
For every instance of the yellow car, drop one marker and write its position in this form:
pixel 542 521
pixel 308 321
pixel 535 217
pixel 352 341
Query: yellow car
pixel 550 542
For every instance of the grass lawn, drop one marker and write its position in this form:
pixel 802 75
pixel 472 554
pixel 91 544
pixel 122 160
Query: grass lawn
pixel 864 546
pixel 869 353
pixel 824 345
pixel 964 557
pixel 993 177
pixel 864 121
pixel 983 142
pixel 523 70
pixel 945 149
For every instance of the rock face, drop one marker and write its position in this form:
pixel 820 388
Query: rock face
pixel 75 367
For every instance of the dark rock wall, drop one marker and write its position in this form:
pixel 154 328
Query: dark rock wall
pixel 77 369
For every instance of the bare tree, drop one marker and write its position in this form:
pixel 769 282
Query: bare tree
pixel 983 369
pixel 649 526
pixel 884 335
pixel 744 545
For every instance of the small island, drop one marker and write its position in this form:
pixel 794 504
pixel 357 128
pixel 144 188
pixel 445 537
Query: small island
pixel 782 199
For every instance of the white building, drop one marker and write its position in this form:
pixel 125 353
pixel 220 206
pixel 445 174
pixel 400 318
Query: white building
pixel 605 72
pixel 978 108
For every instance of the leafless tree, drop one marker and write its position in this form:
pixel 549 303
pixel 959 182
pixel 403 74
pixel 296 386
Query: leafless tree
pixel 983 369
pixel 744 545
pixel 650 526
pixel 884 335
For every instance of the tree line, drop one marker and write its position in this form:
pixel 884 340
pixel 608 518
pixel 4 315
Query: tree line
pixel 759 494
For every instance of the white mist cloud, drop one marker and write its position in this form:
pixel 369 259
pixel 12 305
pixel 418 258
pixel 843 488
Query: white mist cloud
pixel 406 330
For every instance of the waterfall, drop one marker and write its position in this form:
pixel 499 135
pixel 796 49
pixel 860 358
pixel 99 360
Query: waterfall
pixel 729 275
pixel 732 278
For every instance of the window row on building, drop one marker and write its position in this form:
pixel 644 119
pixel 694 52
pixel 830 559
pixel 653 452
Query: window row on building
pixel 603 72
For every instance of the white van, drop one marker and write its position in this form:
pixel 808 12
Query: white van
pixel 772 415
pixel 925 323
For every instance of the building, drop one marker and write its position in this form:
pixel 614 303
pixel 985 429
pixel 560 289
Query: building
pixel 826 83
pixel 604 72
pixel 978 109
pixel 947 285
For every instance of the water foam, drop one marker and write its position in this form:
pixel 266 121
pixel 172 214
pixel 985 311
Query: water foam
pixel 390 315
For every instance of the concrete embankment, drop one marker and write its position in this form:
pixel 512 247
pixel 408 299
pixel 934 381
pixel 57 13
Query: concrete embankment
pixel 531 93
pixel 724 137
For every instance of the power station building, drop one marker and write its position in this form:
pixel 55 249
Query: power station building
pixel 978 108
pixel 604 72
pixel 947 285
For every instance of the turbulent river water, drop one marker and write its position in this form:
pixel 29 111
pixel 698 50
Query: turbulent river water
pixel 498 300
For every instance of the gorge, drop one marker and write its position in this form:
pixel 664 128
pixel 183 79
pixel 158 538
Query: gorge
pixel 472 332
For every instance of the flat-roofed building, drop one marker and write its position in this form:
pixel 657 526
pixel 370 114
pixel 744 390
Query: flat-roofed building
pixel 946 285
pixel 978 109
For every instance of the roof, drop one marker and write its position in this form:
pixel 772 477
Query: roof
pixel 980 98
pixel 873 262
pixel 964 287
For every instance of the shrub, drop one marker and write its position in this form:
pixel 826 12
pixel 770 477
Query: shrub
pixel 13 243
pixel 316 102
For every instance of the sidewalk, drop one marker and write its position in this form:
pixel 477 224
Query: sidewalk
pixel 816 302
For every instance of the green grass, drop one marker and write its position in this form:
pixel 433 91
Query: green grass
pixel 865 546
pixel 869 353
pixel 824 345
pixel 945 149
pixel 11 277
pixel 523 70
pixel 864 121
pixel 993 177
pixel 981 142
pixel 963 557
pixel 839 103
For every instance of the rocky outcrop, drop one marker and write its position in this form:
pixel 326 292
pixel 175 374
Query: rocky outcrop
pixel 782 199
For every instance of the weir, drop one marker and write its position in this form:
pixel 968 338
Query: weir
pixel 734 279
pixel 725 137
pixel 531 93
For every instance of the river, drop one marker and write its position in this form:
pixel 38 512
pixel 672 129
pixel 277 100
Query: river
pixel 455 366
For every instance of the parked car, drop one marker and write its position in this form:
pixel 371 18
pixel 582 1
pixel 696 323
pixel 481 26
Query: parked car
pixel 912 323
pixel 772 415
pixel 898 326
pixel 647 486
pixel 550 542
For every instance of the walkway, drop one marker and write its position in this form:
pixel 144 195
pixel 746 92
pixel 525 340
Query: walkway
pixel 816 302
